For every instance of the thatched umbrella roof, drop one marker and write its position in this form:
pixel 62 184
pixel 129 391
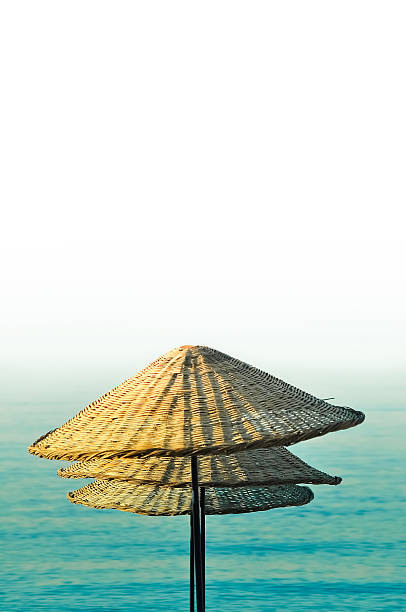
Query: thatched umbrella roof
pixel 194 400
pixel 168 501
pixel 249 467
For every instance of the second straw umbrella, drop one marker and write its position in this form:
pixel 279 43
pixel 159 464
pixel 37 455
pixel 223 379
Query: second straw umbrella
pixel 252 467
pixel 165 501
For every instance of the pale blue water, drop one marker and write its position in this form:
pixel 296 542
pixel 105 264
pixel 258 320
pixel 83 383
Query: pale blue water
pixel 344 551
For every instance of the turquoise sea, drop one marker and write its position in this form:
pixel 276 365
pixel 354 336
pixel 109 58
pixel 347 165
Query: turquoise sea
pixel 344 551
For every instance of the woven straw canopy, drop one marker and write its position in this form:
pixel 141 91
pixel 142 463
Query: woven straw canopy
pixel 249 467
pixel 194 400
pixel 166 501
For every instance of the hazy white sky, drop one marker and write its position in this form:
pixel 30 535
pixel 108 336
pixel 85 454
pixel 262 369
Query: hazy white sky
pixel 221 173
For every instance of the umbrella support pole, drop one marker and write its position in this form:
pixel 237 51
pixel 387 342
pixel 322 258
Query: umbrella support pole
pixel 192 566
pixel 197 547
pixel 203 542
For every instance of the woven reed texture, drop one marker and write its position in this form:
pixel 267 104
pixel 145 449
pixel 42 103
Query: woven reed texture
pixel 194 400
pixel 250 467
pixel 168 501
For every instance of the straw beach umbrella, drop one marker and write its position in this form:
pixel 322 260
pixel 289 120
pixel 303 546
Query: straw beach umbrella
pixel 192 401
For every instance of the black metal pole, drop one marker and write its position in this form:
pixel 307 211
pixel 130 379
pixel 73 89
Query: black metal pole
pixel 196 532
pixel 192 565
pixel 203 541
